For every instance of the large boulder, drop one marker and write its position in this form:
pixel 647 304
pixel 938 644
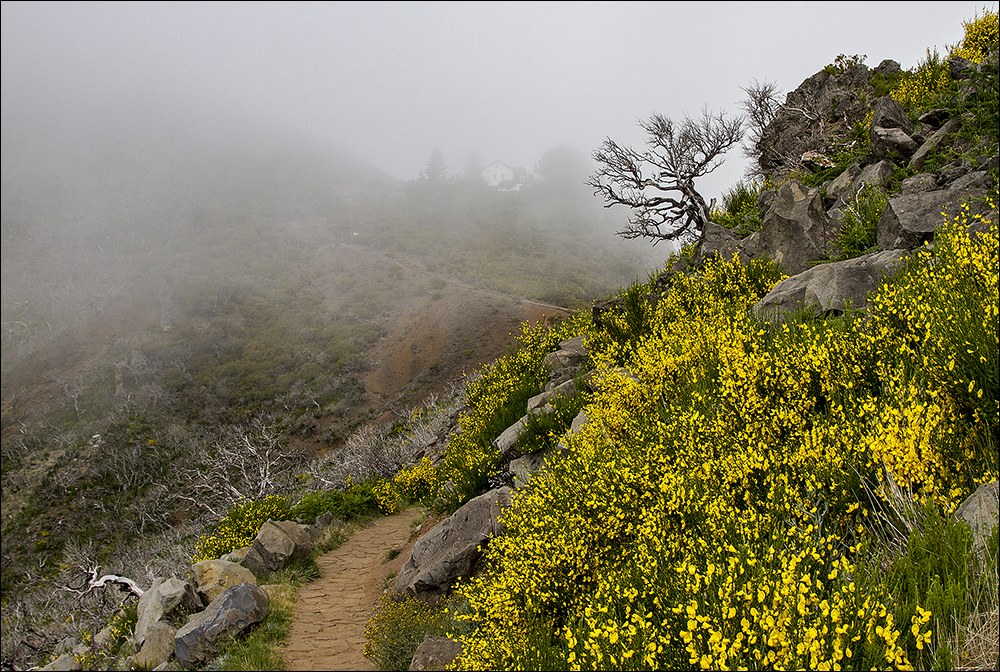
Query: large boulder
pixel 278 544
pixel 715 240
pixel 909 220
pixel 435 653
pixel 229 614
pixel 212 577
pixel 566 390
pixel 165 598
pixel 980 510
pixel 796 230
pixel 508 438
pixel 831 287
pixel 452 549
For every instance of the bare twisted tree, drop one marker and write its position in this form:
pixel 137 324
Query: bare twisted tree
pixel 658 184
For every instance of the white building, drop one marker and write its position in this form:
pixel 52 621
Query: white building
pixel 496 172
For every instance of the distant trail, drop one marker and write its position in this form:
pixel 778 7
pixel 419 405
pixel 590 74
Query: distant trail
pixel 456 283
pixel 328 626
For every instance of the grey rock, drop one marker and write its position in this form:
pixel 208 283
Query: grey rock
pixel 505 442
pixel 452 549
pixel 888 113
pixel 159 646
pixel 715 240
pixel 278 544
pixel 887 67
pixel 435 653
pixel 566 389
pixel 325 520
pixel 830 287
pixel 919 184
pixel 562 359
pixel 796 230
pixel 236 555
pixel 939 140
pixel 229 614
pixel 578 422
pixel 960 68
pixel 765 200
pixel 909 220
pixel 843 181
pixel 980 511
pixel 935 117
pixel 976 180
pixel 817 160
pixel 164 597
pixel 66 645
pixel 213 577
pixel 575 346
pixel 889 139
pixel 751 247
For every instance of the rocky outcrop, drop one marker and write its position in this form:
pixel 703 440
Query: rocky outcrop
pixel 823 109
pixel 452 549
pixel 278 544
pixel 435 653
pixel 228 615
pixel 831 287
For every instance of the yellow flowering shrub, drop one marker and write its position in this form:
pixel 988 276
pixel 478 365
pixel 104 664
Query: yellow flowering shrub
pixel 919 88
pixel 713 512
pixel 982 35
pixel 240 526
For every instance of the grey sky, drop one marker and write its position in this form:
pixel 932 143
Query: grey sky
pixel 390 82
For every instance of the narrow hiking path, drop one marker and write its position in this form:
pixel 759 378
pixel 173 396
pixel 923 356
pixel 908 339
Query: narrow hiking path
pixel 328 626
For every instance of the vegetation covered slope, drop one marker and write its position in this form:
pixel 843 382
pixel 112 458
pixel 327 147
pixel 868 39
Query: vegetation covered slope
pixel 749 494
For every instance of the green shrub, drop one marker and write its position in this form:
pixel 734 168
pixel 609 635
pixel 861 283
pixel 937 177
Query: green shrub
pixel 357 499
pixel 929 586
pixel 739 208
pixel 857 234
pixel 397 627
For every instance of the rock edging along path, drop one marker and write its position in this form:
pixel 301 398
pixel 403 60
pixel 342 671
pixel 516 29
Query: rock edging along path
pixel 328 626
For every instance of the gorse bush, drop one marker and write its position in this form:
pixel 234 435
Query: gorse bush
pixel 714 510
pixel 240 526
pixel 920 88
pixel 982 38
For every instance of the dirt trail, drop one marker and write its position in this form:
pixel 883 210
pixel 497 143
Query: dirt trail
pixel 328 627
